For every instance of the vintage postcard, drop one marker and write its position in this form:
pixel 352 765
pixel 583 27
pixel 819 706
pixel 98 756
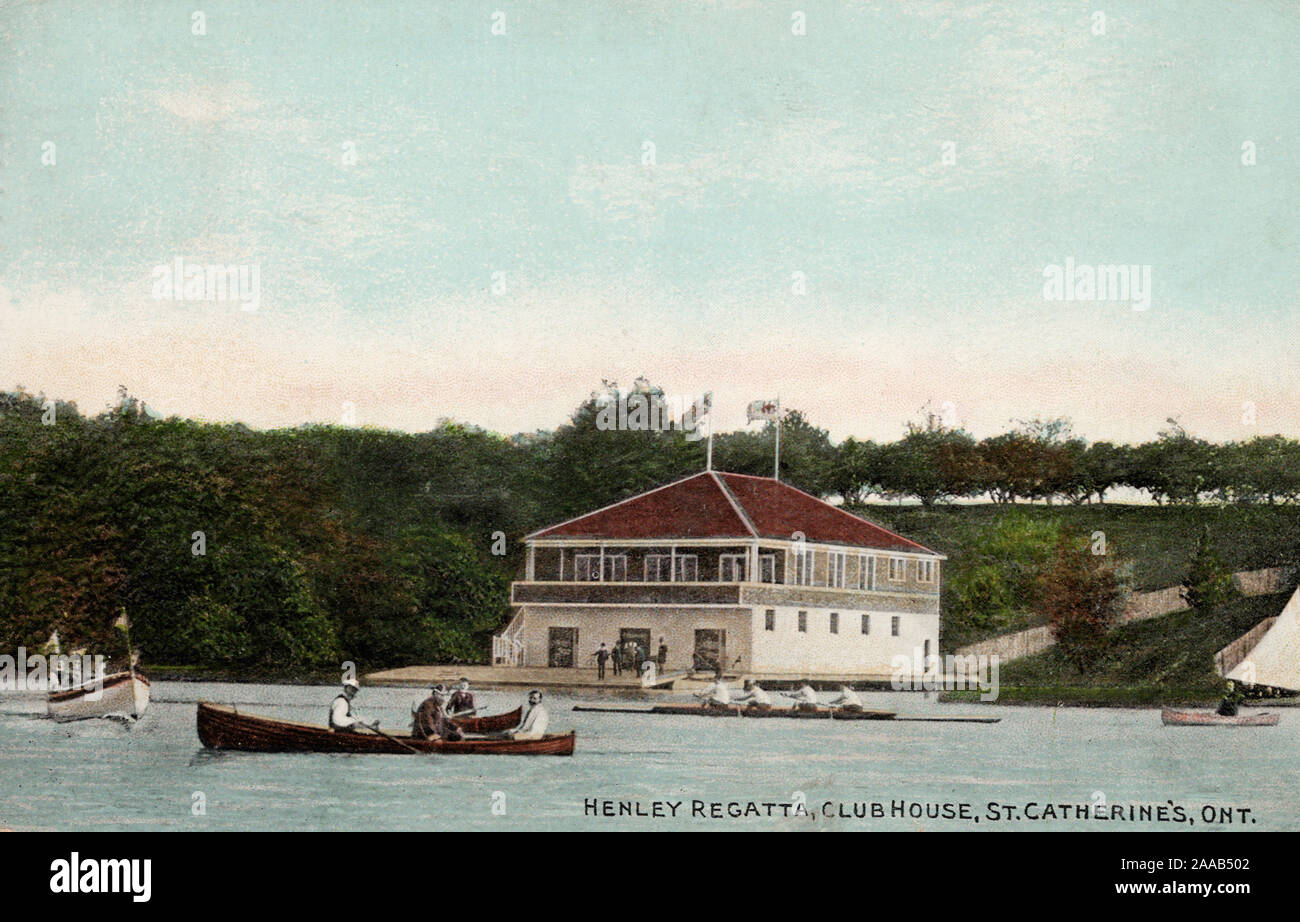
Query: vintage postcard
pixel 650 415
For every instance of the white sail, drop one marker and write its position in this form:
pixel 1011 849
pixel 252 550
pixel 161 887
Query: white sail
pixel 1275 660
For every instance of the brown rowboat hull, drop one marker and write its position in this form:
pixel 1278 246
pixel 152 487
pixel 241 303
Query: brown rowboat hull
pixel 1174 718
pixel 222 727
pixel 492 723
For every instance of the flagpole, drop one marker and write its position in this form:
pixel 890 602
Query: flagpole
pixel 777 474
pixel 708 462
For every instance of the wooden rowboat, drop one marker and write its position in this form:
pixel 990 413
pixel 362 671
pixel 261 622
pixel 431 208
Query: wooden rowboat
pixel 222 727
pixel 124 694
pixel 1173 718
pixel 491 723
pixel 739 710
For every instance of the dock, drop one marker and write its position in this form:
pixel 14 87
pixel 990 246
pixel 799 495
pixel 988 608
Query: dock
pixel 509 677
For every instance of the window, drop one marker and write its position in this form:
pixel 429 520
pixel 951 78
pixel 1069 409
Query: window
pixel 657 568
pixel 897 569
pixel 862 581
pixel 731 568
pixel 866 624
pixel 925 571
pixel 803 622
pixel 893 625
pixel 688 568
pixel 586 567
pixel 835 574
pixel 769 620
pixel 803 568
pixel 767 568
pixel 615 568
pixel 835 622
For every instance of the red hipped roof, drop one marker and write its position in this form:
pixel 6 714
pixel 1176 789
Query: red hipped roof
pixel 713 504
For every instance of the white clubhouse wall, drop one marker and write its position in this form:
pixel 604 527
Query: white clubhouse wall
pixel 788 651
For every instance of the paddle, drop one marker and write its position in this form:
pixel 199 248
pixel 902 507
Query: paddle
pixel 391 738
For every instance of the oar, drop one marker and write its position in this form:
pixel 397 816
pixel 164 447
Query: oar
pixel 394 739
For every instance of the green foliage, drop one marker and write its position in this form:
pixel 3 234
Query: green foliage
pixel 999 576
pixel 1209 582
pixel 1083 597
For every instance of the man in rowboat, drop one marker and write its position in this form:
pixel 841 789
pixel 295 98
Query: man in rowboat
pixel 342 720
pixel 431 721
pixel 462 700
pixel 805 699
pixel 848 701
pixel 535 719
pixel 754 697
pixel 717 695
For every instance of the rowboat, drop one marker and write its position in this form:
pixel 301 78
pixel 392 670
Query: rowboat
pixel 120 694
pixel 700 710
pixel 222 727
pixel 1173 718
pixel 491 723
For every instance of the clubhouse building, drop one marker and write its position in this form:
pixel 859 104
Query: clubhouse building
pixel 726 568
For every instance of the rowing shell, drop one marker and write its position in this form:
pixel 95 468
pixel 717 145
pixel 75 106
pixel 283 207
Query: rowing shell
pixel 223 727
pixel 1173 718
pixel 696 710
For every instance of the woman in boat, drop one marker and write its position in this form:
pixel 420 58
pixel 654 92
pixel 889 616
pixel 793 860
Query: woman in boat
pixel 754 697
pixel 342 720
pixel 431 720
pixel 462 700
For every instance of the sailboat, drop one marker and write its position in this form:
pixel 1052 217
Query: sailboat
pixel 119 694
pixel 1275 660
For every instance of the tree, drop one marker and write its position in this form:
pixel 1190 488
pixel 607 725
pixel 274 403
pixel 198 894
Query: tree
pixel 1083 596
pixel 933 462
pixel 1209 582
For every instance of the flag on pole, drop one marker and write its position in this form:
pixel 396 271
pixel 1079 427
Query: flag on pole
pixel 762 409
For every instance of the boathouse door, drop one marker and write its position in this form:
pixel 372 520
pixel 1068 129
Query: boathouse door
pixel 561 645
pixel 710 649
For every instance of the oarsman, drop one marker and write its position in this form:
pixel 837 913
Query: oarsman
pixel 1231 698
pixel 848 701
pixel 431 721
pixel 805 697
pixel 342 720
pixel 461 702
pixel 533 724
pixel 602 655
pixel 716 695
pixel 754 697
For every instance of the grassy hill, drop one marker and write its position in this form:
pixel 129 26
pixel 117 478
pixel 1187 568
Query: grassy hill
pixel 1005 539
pixel 1163 660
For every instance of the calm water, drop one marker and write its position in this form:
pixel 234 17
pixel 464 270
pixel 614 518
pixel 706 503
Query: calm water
pixel 98 775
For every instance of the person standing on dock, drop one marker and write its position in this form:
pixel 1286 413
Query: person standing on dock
pixel 617 656
pixel 805 698
pixel 662 658
pixel 601 656
pixel 848 701
pixel 535 719
pixel 462 700
pixel 754 697
pixel 342 720
pixel 431 721
pixel 717 695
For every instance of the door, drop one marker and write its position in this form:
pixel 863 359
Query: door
pixel 710 649
pixel 561 645
pixel 641 637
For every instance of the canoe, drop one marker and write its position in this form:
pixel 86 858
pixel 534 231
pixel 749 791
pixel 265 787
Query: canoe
pixel 222 727
pixel 491 723
pixel 699 710
pixel 1173 718
pixel 120 694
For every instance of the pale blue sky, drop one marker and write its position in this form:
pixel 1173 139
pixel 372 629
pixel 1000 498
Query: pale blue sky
pixel 775 153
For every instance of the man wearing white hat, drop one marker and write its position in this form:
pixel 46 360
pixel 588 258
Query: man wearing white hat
pixel 342 720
